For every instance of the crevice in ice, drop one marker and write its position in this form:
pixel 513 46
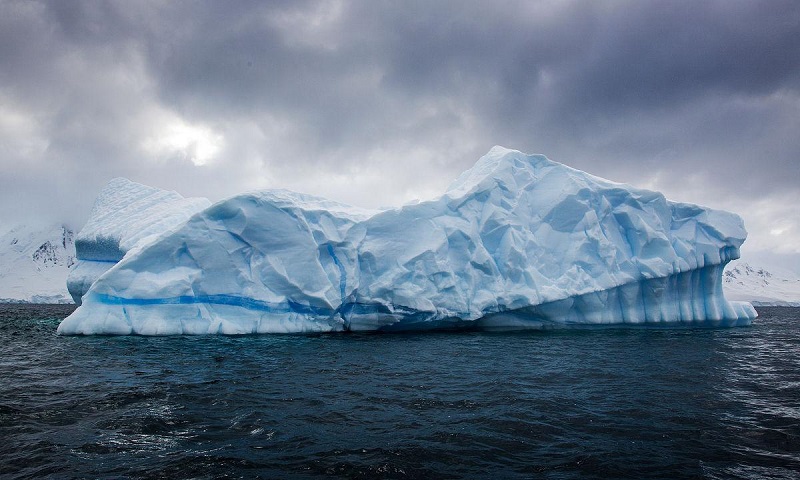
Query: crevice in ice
pixel 342 273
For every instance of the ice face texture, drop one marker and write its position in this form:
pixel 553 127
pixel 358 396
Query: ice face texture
pixel 518 241
pixel 126 214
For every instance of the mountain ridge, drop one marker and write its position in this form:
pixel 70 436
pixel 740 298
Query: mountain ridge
pixel 34 263
pixel 761 286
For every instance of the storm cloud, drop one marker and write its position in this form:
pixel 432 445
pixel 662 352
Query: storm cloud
pixel 377 103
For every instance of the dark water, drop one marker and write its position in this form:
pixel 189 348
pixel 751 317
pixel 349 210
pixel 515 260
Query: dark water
pixel 623 403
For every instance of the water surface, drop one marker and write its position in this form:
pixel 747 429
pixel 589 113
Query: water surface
pixel 615 403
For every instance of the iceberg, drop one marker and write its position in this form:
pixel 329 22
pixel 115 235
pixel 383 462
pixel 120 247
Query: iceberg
pixel 516 242
pixel 125 214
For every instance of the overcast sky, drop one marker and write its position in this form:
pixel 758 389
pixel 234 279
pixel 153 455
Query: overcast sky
pixel 377 103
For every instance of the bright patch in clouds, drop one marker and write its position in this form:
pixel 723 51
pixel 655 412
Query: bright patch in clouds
pixel 177 138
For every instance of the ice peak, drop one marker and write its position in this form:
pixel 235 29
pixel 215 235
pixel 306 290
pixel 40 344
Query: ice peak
pixel 499 165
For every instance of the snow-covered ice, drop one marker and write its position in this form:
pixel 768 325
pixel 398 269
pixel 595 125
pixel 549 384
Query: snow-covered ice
pixel 518 241
pixel 125 214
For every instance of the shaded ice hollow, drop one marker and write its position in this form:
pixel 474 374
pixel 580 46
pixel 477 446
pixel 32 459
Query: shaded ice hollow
pixel 516 242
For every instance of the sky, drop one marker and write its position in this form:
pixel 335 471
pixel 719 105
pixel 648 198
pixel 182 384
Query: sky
pixel 378 103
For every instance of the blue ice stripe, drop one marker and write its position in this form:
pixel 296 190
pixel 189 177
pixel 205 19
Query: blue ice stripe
pixel 342 274
pixel 246 302
pixel 233 300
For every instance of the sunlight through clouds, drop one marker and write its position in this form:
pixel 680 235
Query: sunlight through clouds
pixel 179 139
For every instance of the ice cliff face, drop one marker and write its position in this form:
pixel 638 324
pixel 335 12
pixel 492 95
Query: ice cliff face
pixel 124 215
pixel 517 241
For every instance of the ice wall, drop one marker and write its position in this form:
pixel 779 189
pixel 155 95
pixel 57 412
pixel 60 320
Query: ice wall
pixel 518 241
pixel 125 214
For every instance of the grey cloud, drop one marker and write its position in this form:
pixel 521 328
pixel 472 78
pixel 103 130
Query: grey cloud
pixel 657 54
pixel 307 94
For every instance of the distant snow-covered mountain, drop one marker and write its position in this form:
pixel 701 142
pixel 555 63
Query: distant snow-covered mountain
pixel 756 284
pixel 34 262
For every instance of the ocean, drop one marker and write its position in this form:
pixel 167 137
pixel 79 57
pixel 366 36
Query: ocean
pixel 610 403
